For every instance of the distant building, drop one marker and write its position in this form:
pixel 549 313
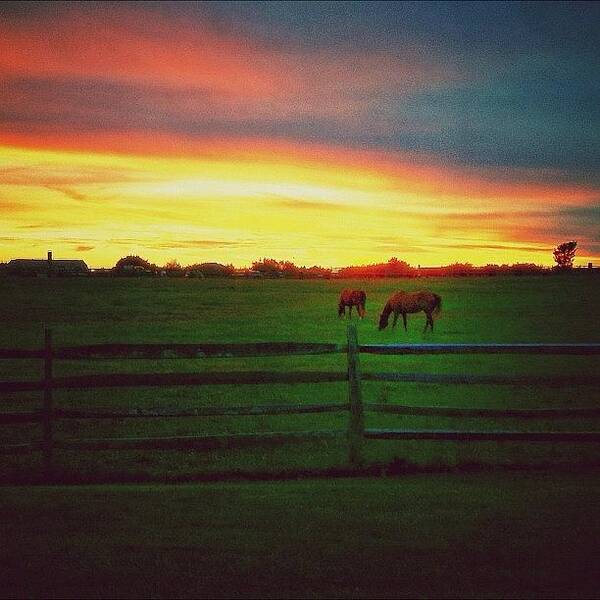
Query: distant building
pixel 46 268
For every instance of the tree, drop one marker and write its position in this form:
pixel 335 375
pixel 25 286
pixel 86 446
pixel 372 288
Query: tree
pixel 269 267
pixel 398 268
pixel 172 265
pixel 133 264
pixel 564 255
pixel 210 270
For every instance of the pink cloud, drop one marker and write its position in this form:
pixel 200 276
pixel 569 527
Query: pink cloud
pixel 248 78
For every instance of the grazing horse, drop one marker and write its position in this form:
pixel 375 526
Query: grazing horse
pixel 411 302
pixel 352 298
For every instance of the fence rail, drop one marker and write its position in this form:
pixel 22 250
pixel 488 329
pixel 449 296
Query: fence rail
pixel 190 442
pixel 178 351
pixel 173 379
pixel 480 436
pixel 356 433
pixel 574 349
pixel 553 381
pixel 191 351
pixel 209 411
pixel 520 413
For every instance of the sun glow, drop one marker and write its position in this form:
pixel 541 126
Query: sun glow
pixel 239 208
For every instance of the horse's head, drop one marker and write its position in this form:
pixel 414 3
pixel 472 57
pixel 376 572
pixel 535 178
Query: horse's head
pixel 383 320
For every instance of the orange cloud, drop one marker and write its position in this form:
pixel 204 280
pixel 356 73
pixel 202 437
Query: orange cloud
pixel 405 172
pixel 245 78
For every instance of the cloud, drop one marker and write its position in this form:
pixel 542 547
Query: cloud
pixel 55 175
pixel 198 244
pixel 69 193
pixel 312 206
pixel 8 206
pixel 83 248
pixel 591 212
pixel 437 120
pixel 382 77
pixel 118 45
pixel 494 247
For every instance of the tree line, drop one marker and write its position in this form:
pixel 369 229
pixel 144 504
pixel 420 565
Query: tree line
pixel 271 268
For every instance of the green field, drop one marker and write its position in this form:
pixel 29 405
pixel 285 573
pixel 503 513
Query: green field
pixel 501 535
pixel 488 533
pixel 503 309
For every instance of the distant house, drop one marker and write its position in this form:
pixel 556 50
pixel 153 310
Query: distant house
pixel 45 268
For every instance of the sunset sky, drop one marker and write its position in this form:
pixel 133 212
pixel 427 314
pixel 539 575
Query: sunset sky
pixel 323 133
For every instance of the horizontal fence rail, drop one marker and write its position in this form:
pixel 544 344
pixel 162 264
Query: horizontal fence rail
pixel 521 380
pixel 189 351
pixel 520 413
pixel 191 442
pixel 174 379
pixel 356 432
pixel 209 411
pixel 574 349
pixel 480 436
pixel 179 351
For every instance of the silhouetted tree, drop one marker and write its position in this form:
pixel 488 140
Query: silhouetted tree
pixel 133 265
pixel 269 267
pixel 564 255
pixel 210 269
pixel 398 268
pixel 460 269
pixel 525 269
pixel 316 272
pixel 392 268
pixel 173 269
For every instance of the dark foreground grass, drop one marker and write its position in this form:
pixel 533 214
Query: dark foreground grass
pixel 436 536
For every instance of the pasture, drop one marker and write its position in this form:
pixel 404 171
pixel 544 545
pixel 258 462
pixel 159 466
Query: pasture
pixel 502 310
pixel 484 533
pixel 501 535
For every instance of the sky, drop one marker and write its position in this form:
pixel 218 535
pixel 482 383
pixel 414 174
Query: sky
pixel 322 133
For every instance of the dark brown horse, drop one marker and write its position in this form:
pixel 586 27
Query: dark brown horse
pixel 352 298
pixel 411 302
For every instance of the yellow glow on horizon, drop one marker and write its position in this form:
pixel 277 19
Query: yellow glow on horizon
pixel 232 209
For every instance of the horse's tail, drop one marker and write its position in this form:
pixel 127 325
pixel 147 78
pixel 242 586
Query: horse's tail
pixel 437 304
pixel 385 315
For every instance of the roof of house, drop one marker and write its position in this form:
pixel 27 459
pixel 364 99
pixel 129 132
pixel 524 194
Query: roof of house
pixel 42 265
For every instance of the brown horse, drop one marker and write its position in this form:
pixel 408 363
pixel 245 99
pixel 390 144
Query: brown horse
pixel 411 302
pixel 352 298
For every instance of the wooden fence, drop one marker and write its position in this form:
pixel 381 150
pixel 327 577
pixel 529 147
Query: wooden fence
pixel 356 432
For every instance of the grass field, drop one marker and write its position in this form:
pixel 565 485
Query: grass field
pixel 492 533
pixel 495 535
pixel 518 309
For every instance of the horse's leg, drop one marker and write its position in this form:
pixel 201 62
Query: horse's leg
pixel 404 319
pixel 395 319
pixel 351 311
pixel 429 321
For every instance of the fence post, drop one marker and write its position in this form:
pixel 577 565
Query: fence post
pixel 356 424
pixel 47 410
